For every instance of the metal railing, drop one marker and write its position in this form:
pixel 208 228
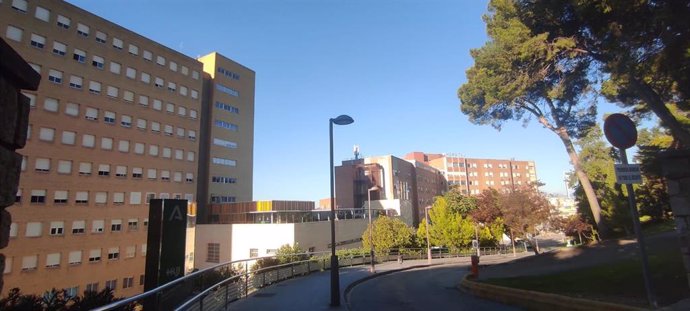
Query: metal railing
pixel 215 287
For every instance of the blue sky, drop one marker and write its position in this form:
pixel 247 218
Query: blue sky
pixel 393 65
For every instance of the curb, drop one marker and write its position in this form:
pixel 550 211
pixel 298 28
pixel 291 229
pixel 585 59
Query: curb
pixel 533 300
pixel 349 288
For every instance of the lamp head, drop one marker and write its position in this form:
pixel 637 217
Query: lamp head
pixel 342 120
pixel 375 188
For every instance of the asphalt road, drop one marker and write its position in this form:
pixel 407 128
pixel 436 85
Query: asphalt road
pixel 421 289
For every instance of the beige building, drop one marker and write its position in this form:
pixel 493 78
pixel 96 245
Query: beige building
pixel 473 175
pixel 405 187
pixel 116 121
pixel 227 133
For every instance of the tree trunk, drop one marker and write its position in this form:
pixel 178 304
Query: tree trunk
pixel 512 240
pixel 659 108
pixel 580 234
pixel 581 175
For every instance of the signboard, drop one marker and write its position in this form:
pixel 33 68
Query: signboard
pixel 165 245
pixel 620 131
pixel 628 174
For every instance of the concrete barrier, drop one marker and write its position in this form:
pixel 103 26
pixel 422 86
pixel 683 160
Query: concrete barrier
pixel 533 300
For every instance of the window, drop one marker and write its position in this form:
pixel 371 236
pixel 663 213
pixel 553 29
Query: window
pixel 227 107
pixel 55 76
pixel 74 258
pixel 79 56
pixel 101 197
pixel 184 70
pixel 143 100
pixel 19 5
pixel 213 252
pixel 223 180
pixel 160 60
pixel 97 226
pixel 157 104
pixel 190 156
pixel 53 260
pixel 131 73
pixel 130 251
pixel 113 91
pixel 165 175
pixel 104 170
pixel 151 173
pixel 91 114
pixel 191 135
pixel 81 197
pixel 64 167
pixel 224 143
pixel 51 104
pixel 133 49
pixel 167 152
pixel 179 154
pixel 126 121
pixel 183 90
pixel 116 225
pixel 115 67
pixel 226 125
pixel 127 282
pixel 78 227
pixel 46 134
pixel 118 198
pixel 195 94
pixel 38 41
pixel 135 198
pixel 60 197
pixel 59 48
pixel 123 146
pixel 137 172
pixel 97 62
pixel 189 177
pixel 170 108
pixel 177 176
pixel 72 292
pixel 106 143
pixel 132 224
pixel 223 161
pixel 92 287
pixel 159 82
pixel 180 132
pixel 14 33
pixel 222 199
pixel 72 109
pixel 195 75
pixel 95 255
pixel 82 30
pixel 42 165
pixel 148 55
pixel 168 130
pixel 155 127
pixel 76 82
pixel 101 37
pixel 117 43
pixel 121 171
pixel 153 150
pixel 32 99
pixel 141 124
pixel 172 87
pixel 29 262
pixel 95 87
pixel 173 66
pixel 14 230
pixel 138 148
pixel 149 196
pixel 111 284
pixel 85 168
pixel 63 22
pixel 33 229
pixel 57 227
pixel 145 77
pixel 109 117
pixel 253 252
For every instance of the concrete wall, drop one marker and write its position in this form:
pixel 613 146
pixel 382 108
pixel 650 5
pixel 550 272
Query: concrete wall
pixel 205 234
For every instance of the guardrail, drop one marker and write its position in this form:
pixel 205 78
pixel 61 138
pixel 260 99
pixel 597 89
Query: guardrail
pixel 217 286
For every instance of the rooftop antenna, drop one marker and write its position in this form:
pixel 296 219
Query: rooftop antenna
pixel 355 149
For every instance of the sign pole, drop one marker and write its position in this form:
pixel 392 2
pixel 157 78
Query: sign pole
pixel 640 239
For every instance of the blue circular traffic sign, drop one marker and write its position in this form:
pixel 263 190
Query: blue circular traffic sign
pixel 620 131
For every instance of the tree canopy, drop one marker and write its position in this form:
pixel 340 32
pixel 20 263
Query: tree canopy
pixel 388 233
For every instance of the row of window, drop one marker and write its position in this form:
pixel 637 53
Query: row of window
pixel 227 90
pixel 485 165
pixel 84 30
pixel 57 228
pixel 226 125
pixel 74 258
pixel 222 199
pixel 228 73
pixel 123 145
pixel 96 88
pixel 60 197
pixel 226 107
pixel 223 180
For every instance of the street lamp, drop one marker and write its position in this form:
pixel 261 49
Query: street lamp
pixel 428 245
pixel 372 269
pixel 335 277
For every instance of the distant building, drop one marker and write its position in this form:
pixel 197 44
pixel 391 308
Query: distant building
pixel 474 175
pixel 566 206
pixel 404 187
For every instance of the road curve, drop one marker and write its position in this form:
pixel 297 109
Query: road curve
pixel 432 288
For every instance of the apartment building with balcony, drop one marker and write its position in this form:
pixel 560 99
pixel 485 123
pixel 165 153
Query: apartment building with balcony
pixel 117 120
pixel 473 175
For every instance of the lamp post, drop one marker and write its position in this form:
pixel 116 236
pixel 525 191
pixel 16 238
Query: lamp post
pixel 428 245
pixel 372 269
pixel 335 277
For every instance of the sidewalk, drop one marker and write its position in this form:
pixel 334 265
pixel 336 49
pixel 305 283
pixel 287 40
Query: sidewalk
pixel 312 292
